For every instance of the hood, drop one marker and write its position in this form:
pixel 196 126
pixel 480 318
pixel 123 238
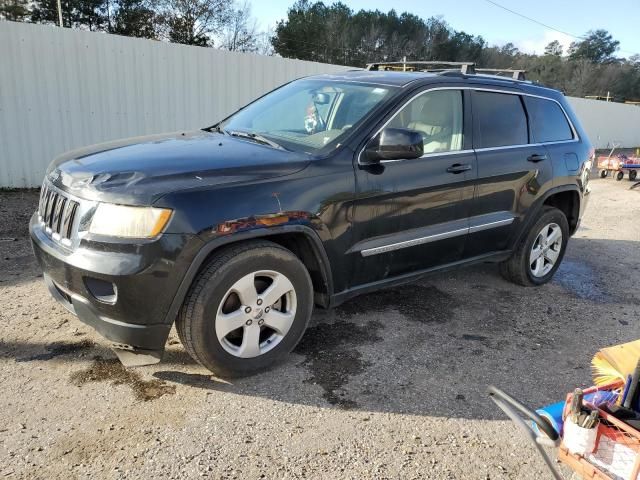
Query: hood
pixel 140 170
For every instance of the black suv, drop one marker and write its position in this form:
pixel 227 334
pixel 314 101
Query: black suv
pixel 328 187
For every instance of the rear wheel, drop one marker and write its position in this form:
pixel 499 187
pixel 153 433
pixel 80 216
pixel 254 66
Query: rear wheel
pixel 604 173
pixel 633 174
pixel 619 176
pixel 540 252
pixel 247 309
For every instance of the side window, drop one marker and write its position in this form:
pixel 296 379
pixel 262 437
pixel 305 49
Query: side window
pixel 548 121
pixel 438 116
pixel 500 118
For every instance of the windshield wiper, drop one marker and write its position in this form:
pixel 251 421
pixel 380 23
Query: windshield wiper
pixel 254 136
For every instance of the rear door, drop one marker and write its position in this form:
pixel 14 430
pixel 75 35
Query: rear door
pixel 550 126
pixel 512 170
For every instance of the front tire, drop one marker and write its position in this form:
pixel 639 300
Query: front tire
pixel 540 252
pixel 247 309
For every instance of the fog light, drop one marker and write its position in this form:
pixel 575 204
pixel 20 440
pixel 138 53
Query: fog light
pixel 102 290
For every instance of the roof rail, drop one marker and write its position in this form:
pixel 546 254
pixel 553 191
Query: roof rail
pixel 515 74
pixel 409 66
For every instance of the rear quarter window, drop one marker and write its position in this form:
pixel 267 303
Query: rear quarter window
pixel 500 118
pixel 548 121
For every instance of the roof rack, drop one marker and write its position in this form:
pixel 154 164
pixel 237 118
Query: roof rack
pixel 515 74
pixel 466 68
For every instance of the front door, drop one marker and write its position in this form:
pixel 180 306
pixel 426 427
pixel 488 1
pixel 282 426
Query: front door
pixel 411 215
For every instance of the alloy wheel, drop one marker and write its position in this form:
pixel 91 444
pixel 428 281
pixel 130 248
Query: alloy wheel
pixel 256 313
pixel 545 250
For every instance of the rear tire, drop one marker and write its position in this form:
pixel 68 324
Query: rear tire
pixel 540 252
pixel 633 174
pixel 248 308
pixel 604 174
pixel 619 176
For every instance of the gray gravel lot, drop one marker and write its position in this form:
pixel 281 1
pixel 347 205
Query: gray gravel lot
pixel 390 385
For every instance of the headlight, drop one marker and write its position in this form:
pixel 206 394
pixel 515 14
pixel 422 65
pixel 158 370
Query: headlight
pixel 129 222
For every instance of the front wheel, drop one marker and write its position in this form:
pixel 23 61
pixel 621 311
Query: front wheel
pixel 539 254
pixel 247 309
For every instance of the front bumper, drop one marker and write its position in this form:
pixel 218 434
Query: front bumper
pixel 143 279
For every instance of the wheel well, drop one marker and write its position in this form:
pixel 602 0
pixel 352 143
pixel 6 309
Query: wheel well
pixel 569 203
pixel 302 247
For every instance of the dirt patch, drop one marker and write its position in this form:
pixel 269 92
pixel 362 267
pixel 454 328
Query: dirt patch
pixel 197 380
pixel 113 371
pixel 419 303
pixel 59 348
pixel 332 358
pixel 477 338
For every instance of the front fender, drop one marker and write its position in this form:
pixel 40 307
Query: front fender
pixel 263 233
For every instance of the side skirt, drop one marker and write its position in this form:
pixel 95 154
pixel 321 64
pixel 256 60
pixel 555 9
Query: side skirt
pixel 491 257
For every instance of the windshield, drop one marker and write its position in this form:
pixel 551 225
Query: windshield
pixel 307 115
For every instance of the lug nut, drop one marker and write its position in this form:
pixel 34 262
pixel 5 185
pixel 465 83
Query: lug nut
pixel 259 302
pixel 266 310
pixel 247 310
pixel 260 322
pixel 249 322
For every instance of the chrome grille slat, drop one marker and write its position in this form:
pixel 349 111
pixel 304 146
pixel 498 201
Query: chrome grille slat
pixel 52 206
pixel 67 219
pixel 57 212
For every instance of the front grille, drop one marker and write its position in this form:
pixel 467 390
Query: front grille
pixel 57 212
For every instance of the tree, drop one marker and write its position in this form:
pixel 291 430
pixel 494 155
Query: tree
pixel 14 10
pixel 195 22
pixel 553 48
pixel 133 18
pixel 240 34
pixel 83 14
pixel 598 47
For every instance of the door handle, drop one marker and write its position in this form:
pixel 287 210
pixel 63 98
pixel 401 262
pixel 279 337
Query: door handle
pixel 459 168
pixel 536 157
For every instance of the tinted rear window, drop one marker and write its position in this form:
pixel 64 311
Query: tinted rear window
pixel 501 119
pixel 548 121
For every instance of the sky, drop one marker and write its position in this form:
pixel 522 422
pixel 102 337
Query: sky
pixel 480 17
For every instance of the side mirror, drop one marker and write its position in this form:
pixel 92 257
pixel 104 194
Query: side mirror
pixel 393 144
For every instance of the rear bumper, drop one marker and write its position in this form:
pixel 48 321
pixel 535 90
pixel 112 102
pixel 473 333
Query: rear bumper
pixel 123 291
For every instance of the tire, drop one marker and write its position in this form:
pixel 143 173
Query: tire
pixel 214 306
pixel 604 173
pixel 619 176
pixel 518 268
pixel 633 174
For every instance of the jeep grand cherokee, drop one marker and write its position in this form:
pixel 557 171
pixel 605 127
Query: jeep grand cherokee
pixel 328 187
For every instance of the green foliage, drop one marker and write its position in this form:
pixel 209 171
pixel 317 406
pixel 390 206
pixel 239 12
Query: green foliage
pixel 15 10
pixel 553 48
pixel 83 14
pixel 133 18
pixel 195 22
pixel 337 34
pixel 597 47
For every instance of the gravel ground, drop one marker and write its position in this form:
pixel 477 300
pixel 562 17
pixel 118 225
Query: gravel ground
pixel 390 385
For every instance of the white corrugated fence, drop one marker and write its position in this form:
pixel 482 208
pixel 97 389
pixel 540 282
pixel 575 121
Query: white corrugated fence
pixel 62 89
